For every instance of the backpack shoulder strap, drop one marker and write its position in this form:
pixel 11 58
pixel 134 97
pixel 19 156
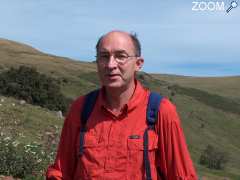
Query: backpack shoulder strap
pixel 154 101
pixel 88 106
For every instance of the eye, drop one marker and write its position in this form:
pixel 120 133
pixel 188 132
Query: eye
pixel 104 56
pixel 121 56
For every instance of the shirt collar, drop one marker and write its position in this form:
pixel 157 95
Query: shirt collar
pixel 138 96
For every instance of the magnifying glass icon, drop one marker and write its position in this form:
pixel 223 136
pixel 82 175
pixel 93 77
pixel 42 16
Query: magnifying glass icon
pixel 233 4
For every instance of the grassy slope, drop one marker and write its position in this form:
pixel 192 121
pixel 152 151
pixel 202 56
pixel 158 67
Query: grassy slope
pixel 220 129
pixel 27 123
pixel 16 54
pixel 220 126
pixel 223 86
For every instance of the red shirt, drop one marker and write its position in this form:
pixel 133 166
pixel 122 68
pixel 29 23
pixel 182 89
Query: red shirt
pixel 113 146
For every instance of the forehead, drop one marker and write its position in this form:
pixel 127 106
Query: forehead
pixel 116 41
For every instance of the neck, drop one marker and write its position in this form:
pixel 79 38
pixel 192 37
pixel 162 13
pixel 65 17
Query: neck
pixel 118 97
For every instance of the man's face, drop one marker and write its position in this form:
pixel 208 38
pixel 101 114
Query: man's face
pixel 112 72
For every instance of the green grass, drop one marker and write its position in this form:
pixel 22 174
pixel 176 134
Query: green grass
pixel 223 86
pixel 221 129
pixel 26 122
pixel 217 101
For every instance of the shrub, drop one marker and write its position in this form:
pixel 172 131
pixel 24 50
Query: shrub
pixel 35 88
pixel 23 160
pixel 213 158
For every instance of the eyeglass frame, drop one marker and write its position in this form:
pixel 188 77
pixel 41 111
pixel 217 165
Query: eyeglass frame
pixel 121 62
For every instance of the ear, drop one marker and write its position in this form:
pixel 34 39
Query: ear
pixel 139 63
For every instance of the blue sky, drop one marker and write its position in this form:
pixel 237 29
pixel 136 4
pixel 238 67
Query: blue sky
pixel 175 39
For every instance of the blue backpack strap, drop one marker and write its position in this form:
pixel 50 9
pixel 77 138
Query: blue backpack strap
pixel 154 101
pixel 88 106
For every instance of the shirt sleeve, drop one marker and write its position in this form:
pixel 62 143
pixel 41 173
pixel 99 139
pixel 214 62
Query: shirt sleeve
pixel 65 162
pixel 173 158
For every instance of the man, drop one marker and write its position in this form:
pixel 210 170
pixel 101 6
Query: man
pixel 113 142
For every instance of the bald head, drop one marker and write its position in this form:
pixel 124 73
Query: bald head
pixel 133 38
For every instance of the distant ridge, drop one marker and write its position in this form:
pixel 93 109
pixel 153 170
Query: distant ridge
pixel 10 45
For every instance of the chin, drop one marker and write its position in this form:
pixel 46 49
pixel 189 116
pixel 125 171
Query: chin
pixel 113 85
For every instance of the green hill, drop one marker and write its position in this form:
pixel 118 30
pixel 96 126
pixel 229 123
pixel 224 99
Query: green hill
pixel 223 86
pixel 209 107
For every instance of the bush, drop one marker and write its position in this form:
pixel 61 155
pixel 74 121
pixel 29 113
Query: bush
pixel 35 88
pixel 212 158
pixel 23 160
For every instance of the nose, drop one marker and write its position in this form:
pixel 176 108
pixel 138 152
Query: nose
pixel 112 64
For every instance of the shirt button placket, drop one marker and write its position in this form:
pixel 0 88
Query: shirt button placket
pixel 108 161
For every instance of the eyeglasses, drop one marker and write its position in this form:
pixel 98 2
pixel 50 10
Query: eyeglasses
pixel 120 57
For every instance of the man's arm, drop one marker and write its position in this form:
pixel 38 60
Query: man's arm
pixel 174 159
pixel 65 162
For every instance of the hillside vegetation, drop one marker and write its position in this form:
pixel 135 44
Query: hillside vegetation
pixel 209 107
pixel 223 86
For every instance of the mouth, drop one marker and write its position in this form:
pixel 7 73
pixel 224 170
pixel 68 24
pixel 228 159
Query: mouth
pixel 112 76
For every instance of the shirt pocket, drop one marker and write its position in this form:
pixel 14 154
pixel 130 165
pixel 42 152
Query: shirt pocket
pixel 90 141
pixel 92 159
pixel 135 148
pixel 92 146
